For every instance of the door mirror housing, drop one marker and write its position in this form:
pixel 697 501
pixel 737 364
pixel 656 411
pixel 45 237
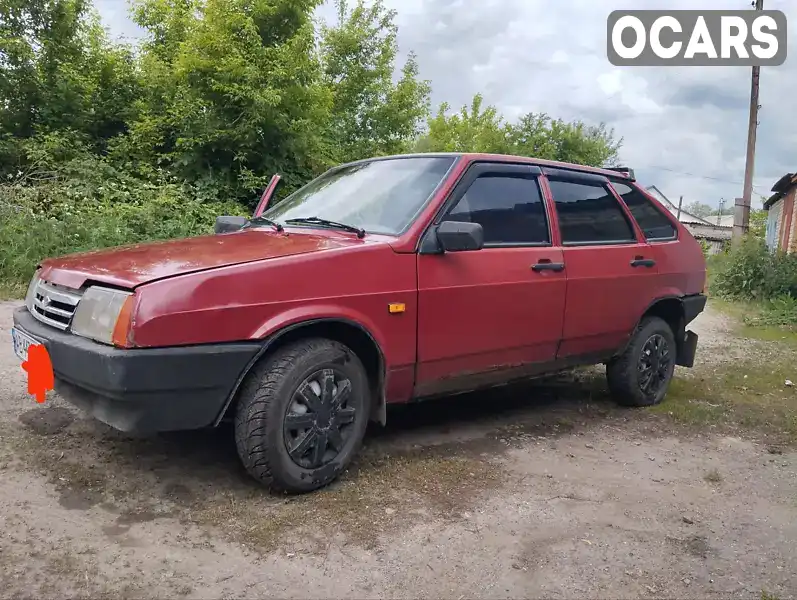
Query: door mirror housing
pixel 455 236
pixel 229 223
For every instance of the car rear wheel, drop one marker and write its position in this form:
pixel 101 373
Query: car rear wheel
pixel 641 375
pixel 302 415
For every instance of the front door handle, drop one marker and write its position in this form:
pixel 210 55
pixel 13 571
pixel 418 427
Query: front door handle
pixel 546 265
pixel 643 262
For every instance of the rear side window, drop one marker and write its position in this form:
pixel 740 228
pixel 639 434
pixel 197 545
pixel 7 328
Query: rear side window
pixel 509 209
pixel 651 221
pixel 589 214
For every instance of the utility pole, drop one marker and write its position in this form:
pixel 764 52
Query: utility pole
pixel 741 214
pixel 680 202
pixel 719 212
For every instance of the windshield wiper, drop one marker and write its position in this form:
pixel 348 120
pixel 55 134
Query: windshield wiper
pixel 265 221
pixel 358 230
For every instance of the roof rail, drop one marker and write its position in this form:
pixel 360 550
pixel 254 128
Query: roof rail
pixel 627 170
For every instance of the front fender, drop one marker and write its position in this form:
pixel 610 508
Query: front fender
pixel 314 312
pixel 272 329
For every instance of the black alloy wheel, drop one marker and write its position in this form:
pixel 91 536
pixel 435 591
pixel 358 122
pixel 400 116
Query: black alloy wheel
pixel 641 374
pixel 319 419
pixel 654 364
pixel 302 414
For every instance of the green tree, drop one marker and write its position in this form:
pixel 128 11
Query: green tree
pixel 472 129
pixel 234 93
pixel 371 114
pixel 537 134
pixel 483 129
pixel 758 223
pixel 60 74
pixel 699 209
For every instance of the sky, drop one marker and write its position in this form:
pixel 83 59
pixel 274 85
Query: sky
pixel 684 129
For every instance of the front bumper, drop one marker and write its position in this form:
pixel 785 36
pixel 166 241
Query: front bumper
pixel 144 390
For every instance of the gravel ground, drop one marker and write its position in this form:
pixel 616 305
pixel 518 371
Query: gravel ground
pixel 540 490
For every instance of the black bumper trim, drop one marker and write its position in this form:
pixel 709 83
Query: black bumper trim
pixel 693 306
pixel 142 390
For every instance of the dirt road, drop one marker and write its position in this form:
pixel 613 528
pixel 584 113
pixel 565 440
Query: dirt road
pixel 544 490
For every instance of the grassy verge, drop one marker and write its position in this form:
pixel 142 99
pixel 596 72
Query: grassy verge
pixel 754 393
pixel 11 290
pixel 742 311
pixel 36 226
pixel 750 396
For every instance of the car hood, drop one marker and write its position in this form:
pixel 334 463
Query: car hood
pixel 131 266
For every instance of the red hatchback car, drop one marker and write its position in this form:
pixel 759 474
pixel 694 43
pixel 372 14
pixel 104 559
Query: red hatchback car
pixel 379 282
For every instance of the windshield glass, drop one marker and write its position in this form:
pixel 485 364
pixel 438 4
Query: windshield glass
pixel 379 196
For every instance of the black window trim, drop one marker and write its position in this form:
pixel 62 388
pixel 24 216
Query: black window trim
pixel 483 167
pixel 592 179
pixel 669 218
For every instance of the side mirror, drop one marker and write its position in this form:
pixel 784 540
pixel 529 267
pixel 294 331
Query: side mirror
pixel 455 236
pixel 227 224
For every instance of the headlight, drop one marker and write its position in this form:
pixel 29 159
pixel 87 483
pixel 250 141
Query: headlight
pixel 30 295
pixel 103 315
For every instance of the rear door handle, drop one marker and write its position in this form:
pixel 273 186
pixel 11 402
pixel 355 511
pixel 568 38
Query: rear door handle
pixel 643 262
pixel 546 265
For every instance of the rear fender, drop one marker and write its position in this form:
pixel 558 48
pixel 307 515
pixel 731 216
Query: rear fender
pixel 689 307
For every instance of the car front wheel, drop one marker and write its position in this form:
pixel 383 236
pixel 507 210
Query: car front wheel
pixel 641 375
pixel 302 414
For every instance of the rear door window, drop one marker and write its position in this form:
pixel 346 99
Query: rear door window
pixel 589 214
pixel 653 223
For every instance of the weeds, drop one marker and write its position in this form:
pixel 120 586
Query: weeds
pixel 778 312
pixel 59 217
pixel 751 272
pixel 753 395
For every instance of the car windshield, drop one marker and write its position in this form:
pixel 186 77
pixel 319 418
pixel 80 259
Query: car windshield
pixel 379 196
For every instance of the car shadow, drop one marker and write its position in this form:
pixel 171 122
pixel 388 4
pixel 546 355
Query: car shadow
pixel 185 466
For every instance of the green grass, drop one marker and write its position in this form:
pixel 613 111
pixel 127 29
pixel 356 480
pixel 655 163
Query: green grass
pixel 738 310
pixel 50 221
pixel 784 335
pixel 714 264
pixel 750 395
pixel 12 290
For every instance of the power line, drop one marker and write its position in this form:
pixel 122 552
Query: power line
pixel 719 179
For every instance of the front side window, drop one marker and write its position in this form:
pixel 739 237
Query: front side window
pixel 589 214
pixel 379 196
pixel 509 209
pixel 651 221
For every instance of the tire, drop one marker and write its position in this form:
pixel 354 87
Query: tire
pixel 282 408
pixel 626 374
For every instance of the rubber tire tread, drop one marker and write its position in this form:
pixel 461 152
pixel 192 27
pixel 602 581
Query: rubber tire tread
pixel 621 373
pixel 256 405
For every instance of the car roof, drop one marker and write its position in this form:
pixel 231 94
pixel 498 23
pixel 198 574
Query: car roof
pixel 476 156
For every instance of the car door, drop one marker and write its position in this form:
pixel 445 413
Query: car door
pixel 674 257
pixel 611 272
pixel 488 314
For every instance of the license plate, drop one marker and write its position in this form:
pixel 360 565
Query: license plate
pixel 22 341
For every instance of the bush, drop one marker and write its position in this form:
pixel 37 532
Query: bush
pixel 61 216
pixel 751 272
pixel 778 312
